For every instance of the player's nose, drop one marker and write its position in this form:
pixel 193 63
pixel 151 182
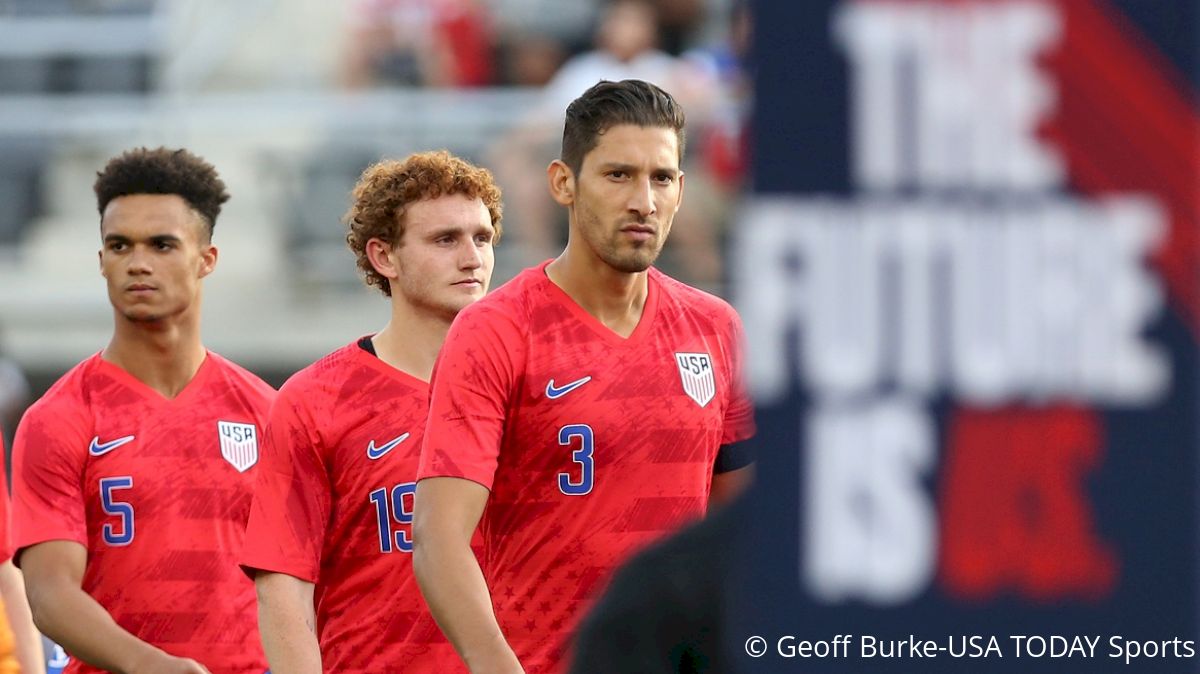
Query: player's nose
pixel 471 257
pixel 641 198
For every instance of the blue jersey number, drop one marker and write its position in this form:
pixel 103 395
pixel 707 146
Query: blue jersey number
pixel 121 534
pixel 581 456
pixel 398 508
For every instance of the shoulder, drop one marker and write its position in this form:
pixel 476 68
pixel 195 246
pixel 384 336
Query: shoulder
pixel 64 410
pixel 70 394
pixel 681 297
pixel 241 379
pixel 322 377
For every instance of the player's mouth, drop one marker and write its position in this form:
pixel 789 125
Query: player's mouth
pixel 140 288
pixel 639 232
pixel 469 283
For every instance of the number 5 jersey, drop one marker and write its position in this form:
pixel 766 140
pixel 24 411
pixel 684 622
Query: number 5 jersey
pixel 158 491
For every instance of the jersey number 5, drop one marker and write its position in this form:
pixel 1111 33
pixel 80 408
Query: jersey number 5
pixel 401 511
pixel 122 534
pixel 581 456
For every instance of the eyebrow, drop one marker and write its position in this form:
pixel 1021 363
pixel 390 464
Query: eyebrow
pixel 157 238
pixel 630 168
pixel 458 229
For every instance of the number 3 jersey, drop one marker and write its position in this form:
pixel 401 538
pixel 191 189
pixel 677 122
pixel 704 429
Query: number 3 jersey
pixel 592 445
pixel 158 490
pixel 334 507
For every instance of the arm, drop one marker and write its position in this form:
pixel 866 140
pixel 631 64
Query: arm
pixel 287 621
pixel 729 485
pixel 27 641
pixel 69 616
pixel 446 512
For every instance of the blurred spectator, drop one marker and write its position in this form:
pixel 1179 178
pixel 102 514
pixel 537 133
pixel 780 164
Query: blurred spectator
pixel 626 47
pixel 678 22
pixel 434 43
pixel 625 42
pixel 724 143
pixel 531 60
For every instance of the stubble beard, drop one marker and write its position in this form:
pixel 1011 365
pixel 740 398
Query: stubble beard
pixel 636 258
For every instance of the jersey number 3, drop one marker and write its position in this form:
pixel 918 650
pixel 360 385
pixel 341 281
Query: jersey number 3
pixel 581 456
pixel 122 533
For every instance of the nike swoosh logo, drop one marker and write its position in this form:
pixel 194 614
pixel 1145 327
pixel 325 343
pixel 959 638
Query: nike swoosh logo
pixel 374 452
pixel 98 449
pixel 563 390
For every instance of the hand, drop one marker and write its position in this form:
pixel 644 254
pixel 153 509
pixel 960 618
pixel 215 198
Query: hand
pixel 161 662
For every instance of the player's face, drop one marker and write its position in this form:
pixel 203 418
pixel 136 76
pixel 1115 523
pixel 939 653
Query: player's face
pixel 154 252
pixel 626 194
pixel 444 260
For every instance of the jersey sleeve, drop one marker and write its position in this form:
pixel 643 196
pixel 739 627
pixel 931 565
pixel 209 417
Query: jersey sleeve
pixel 48 459
pixel 738 424
pixel 473 380
pixel 292 500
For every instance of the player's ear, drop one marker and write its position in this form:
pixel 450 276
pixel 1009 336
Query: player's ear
pixel 208 260
pixel 562 182
pixel 379 253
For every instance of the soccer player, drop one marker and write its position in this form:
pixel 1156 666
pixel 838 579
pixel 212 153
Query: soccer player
pixel 592 403
pixel 133 474
pixel 331 520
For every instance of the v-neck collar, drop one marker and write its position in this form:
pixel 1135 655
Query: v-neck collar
pixel 149 393
pixel 645 323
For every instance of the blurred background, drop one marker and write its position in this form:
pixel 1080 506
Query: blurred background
pixel 961 234
pixel 290 101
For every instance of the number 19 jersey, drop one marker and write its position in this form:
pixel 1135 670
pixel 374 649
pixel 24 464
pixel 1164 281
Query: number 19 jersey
pixel 334 507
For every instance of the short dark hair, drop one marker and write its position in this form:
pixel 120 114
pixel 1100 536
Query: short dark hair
pixel 163 171
pixel 608 104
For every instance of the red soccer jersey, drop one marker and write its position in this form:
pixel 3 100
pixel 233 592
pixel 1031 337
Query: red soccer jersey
pixel 592 445
pixel 158 491
pixel 334 507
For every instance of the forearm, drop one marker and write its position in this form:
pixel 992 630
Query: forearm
pixel 287 623
pixel 457 595
pixel 74 620
pixel 26 640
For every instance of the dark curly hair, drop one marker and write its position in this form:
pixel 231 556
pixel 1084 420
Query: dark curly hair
pixel 607 104
pixel 163 171
pixel 385 190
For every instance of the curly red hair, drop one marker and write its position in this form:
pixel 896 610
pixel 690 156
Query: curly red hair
pixel 385 190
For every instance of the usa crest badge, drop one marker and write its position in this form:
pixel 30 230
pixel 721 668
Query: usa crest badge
pixel 239 444
pixel 696 373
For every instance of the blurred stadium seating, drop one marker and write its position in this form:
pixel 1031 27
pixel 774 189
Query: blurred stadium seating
pixel 252 86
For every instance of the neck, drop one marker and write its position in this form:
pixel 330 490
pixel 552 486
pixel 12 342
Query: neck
pixel 164 355
pixel 411 339
pixel 615 298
